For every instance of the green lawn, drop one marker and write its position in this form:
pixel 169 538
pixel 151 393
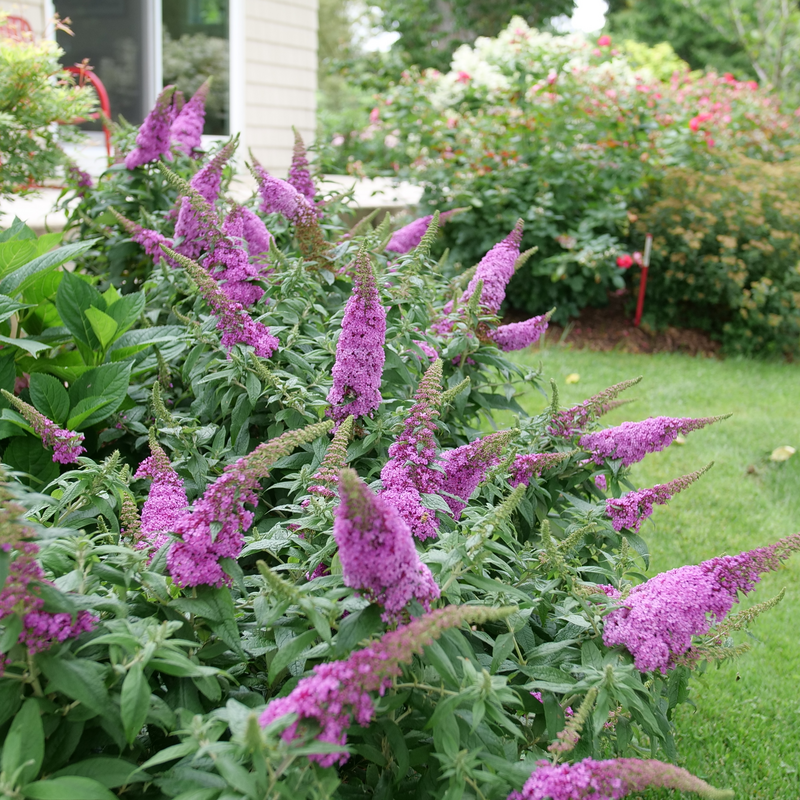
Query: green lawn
pixel 745 732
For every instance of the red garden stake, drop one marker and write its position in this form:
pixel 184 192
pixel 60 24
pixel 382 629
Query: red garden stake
pixel 648 246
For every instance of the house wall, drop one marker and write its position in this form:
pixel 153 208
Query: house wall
pixel 280 77
pixel 31 10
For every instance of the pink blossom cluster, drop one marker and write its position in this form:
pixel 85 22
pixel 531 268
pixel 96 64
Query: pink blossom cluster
pixel 633 508
pixel 165 126
pixel 165 501
pixel 234 323
pixel 213 528
pixel 186 130
pixel 358 369
pixel 519 335
pixel 658 618
pixel 339 691
pixel 466 466
pixel 66 444
pixel 608 780
pixel 230 263
pixel 571 421
pixel 153 139
pixel 149 239
pixel 632 441
pixel 409 471
pixel 299 175
pixel 405 239
pixel 528 465
pixel 40 629
pixel 377 550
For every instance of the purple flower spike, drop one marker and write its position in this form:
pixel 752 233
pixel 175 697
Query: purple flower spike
pixel 658 618
pixel 258 238
pixel 357 372
pixel 519 335
pixel 231 262
pixel 187 129
pixel 66 445
pixel 235 324
pixel 299 176
pixel 466 466
pixel 338 692
pixel 405 239
pixel 610 780
pixel 153 139
pixel 573 420
pixel 632 441
pixel 632 509
pixel 409 471
pixel 150 240
pixel 377 550
pixel 165 502
pixel 213 528
pixel 528 465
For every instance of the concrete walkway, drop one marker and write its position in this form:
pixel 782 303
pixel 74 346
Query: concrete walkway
pixel 36 209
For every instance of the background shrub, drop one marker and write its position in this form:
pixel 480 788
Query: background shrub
pixel 726 253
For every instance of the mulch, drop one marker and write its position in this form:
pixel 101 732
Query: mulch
pixel 611 328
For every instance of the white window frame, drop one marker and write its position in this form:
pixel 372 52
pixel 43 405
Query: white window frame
pixel 154 64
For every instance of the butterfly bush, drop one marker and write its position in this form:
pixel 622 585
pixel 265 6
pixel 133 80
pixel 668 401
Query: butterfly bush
pixel 657 620
pixel 610 780
pixel 186 131
pixel 282 596
pixel 154 137
pixel 630 442
pixel 66 445
pixel 357 372
pixel 377 550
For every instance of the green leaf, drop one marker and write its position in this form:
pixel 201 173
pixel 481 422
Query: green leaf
pixel 222 616
pixel 134 701
pixel 24 744
pixel 10 699
pixel 26 276
pixel 111 772
pixel 289 652
pixel 85 409
pixel 357 627
pixel 49 396
pixel 79 679
pixel 397 745
pixel 109 382
pixel 73 298
pixel 13 628
pixel 9 307
pixel 27 454
pixel 68 787
pixel 104 327
pixel 28 345
pixel 503 647
pixel 8 374
pixel 126 311
pixel 170 754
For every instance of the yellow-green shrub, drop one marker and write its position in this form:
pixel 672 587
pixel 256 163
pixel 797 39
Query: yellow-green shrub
pixel 726 253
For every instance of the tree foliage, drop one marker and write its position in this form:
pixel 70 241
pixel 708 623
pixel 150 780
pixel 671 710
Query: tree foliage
pixel 430 30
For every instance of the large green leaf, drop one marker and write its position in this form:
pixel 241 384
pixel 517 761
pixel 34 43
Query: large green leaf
pixel 126 311
pixel 27 454
pixel 109 382
pixel 104 327
pixel 50 397
pixel 73 298
pixel 134 701
pixel 9 307
pixel 86 408
pixel 133 342
pixel 28 345
pixel 111 772
pixel 23 748
pixel 18 230
pixel 79 679
pixel 68 787
pixel 19 280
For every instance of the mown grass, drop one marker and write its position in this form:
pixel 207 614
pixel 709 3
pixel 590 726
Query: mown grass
pixel 744 733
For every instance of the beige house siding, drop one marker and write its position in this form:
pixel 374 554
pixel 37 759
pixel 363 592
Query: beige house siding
pixel 280 73
pixel 32 11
